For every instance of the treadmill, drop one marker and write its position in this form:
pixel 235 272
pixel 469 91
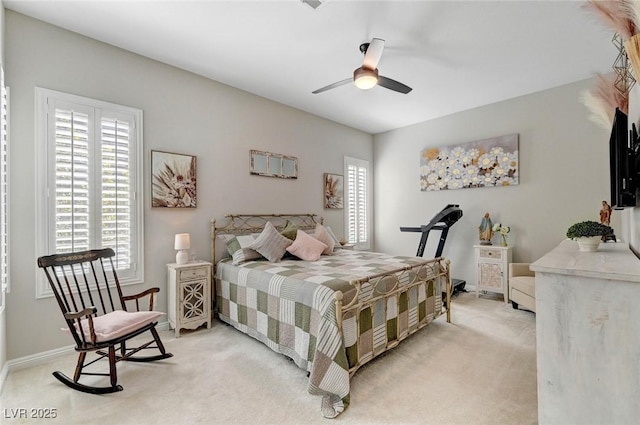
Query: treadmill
pixel 443 222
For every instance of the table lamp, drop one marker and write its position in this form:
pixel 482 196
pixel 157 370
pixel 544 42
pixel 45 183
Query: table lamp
pixel 182 244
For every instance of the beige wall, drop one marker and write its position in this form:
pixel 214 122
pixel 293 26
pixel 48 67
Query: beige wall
pixel 564 176
pixel 183 113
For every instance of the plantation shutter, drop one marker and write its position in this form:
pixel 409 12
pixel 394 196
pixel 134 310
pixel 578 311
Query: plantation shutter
pixel 72 181
pixel 89 168
pixel 357 214
pixel 116 187
pixel 4 189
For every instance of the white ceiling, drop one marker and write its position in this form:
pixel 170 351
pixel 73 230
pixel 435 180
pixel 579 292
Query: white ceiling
pixel 456 55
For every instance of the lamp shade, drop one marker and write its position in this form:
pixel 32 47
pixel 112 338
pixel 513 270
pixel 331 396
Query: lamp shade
pixel 365 78
pixel 183 241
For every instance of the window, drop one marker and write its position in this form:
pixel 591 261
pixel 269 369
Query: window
pixel 4 189
pixel 358 199
pixel 90 180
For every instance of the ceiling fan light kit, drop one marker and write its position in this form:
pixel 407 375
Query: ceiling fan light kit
pixel 365 78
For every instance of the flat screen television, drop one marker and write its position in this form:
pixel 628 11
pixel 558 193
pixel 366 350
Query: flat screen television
pixel 622 161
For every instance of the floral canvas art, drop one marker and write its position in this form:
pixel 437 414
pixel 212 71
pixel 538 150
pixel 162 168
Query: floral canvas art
pixel 173 180
pixel 333 191
pixel 483 163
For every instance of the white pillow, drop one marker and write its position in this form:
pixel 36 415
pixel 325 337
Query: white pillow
pixel 323 236
pixel 337 244
pixel 271 244
pixel 306 247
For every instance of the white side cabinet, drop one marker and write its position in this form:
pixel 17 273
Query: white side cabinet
pixel 493 269
pixel 189 287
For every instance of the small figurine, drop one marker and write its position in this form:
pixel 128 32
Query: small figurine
pixel 605 213
pixel 486 230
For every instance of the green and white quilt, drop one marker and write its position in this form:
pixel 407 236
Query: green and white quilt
pixel 290 307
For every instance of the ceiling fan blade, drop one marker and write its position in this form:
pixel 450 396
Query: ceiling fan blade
pixel 333 86
pixel 394 85
pixel 374 53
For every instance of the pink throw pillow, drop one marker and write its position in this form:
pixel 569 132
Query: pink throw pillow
pixel 306 247
pixel 323 236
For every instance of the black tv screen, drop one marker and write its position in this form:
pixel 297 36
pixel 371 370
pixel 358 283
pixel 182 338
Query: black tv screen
pixel 622 163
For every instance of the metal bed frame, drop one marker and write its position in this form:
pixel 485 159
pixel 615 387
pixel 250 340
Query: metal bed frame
pixel 382 286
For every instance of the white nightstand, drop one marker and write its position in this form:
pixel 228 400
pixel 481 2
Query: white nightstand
pixel 189 287
pixel 492 272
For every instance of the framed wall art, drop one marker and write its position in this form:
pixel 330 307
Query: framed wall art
pixel 273 165
pixel 483 163
pixel 173 180
pixel 333 191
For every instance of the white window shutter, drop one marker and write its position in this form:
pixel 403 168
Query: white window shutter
pixel 357 202
pixel 89 171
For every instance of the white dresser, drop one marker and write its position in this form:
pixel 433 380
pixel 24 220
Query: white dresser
pixel 492 270
pixel 588 335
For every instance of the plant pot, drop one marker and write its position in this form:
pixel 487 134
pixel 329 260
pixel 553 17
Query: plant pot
pixel 589 243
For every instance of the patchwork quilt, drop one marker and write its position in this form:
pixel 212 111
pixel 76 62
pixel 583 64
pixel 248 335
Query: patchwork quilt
pixel 290 307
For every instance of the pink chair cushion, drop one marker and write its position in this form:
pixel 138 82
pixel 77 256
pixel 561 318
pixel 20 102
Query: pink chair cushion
pixel 118 323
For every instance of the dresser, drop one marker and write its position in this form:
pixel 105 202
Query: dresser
pixel 588 335
pixel 189 291
pixel 492 269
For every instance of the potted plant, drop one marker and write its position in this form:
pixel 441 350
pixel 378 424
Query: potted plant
pixel 589 234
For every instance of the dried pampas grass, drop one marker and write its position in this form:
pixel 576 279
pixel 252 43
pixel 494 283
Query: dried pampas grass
pixel 603 101
pixel 618 14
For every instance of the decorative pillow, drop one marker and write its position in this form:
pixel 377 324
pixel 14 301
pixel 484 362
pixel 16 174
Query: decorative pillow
pixel 306 247
pixel 289 230
pixel 336 241
pixel 323 236
pixel 118 323
pixel 238 247
pixel 271 244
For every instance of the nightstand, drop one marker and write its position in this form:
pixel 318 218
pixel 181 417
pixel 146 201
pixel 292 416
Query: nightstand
pixel 189 287
pixel 492 269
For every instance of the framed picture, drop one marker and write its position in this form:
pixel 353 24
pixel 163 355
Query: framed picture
pixel 333 191
pixel 483 163
pixel 173 180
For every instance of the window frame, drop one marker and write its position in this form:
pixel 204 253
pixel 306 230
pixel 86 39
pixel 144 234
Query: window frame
pixel 5 281
pixel 44 174
pixel 358 244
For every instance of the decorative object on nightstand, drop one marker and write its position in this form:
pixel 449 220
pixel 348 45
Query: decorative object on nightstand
pixel 503 231
pixel 492 269
pixel 182 244
pixel 189 288
pixel 485 230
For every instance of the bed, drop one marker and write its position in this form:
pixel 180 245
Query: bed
pixel 330 316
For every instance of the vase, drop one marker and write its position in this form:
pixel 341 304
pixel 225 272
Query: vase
pixel 589 243
pixel 504 240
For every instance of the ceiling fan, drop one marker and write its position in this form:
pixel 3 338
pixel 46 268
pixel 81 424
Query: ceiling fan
pixel 366 76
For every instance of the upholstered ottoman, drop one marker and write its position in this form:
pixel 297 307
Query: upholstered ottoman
pixel 522 286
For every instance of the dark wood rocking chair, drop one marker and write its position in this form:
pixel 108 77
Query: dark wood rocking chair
pixel 86 287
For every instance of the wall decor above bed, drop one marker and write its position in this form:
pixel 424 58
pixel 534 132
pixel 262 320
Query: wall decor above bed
pixel 273 165
pixel 483 163
pixel 173 180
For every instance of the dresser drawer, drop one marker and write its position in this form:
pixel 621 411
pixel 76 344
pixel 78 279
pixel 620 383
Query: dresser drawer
pixel 491 253
pixel 194 273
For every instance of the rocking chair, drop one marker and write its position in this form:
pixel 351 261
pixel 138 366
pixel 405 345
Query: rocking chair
pixel 85 285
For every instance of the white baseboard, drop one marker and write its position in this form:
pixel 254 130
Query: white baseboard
pixel 45 356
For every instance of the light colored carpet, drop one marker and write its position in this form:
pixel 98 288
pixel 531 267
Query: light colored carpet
pixel 480 369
